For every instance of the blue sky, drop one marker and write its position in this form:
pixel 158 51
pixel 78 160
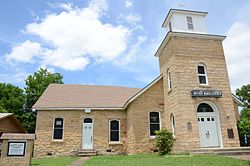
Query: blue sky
pixel 109 42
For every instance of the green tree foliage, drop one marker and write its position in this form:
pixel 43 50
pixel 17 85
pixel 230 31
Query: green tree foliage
pixel 35 86
pixel 164 141
pixel 244 123
pixel 244 94
pixel 12 100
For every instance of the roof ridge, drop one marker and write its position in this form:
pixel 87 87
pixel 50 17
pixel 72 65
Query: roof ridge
pixel 95 85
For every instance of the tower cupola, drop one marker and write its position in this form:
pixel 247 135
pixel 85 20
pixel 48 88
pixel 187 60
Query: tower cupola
pixel 179 20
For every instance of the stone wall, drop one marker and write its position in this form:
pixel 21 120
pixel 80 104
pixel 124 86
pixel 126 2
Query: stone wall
pixel 181 57
pixel 72 136
pixel 138 138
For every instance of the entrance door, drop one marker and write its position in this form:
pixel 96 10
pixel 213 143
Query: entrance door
pixel 208 126
pixel 208 131
pixel 87 138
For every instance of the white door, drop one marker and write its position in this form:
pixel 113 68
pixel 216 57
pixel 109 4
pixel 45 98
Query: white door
pixel 87 138
pixel 208 131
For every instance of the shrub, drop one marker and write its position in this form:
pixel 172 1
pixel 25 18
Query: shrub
pixel 164 141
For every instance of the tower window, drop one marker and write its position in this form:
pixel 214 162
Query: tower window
pixel 190 23
pixel 202 74
pixel 172 124
pixel 169 80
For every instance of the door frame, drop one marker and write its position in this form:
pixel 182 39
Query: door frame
pixel 92 131
pixel 217 117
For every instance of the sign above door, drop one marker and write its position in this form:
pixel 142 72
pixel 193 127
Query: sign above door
pixel 206 93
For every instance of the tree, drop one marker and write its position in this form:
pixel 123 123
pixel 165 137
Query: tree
pixel 12 100
pixel 244 123
pixel 35 86
pixel 244 94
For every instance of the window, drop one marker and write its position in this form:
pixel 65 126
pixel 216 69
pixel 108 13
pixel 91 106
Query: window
pixel 58 128
pixel 172 124
pixel 190 23
pixel 203 107
pixel 114 128
pixel 202 74
pixel 169 80
pixel 154 122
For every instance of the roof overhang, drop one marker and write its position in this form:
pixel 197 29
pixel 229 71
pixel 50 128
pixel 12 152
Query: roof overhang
pixel 186 34
pixel 181 11
pixel 237 100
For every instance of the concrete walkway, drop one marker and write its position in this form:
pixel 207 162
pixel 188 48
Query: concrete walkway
pixel 242 157
pixel 80 161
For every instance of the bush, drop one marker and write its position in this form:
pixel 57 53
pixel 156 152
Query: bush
pixel 164 141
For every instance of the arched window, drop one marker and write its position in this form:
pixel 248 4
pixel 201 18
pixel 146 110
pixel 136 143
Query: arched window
pixel 87 120
pixel 58 129
pixel 202 73
pixel 204 107
pixel 154 122
pixel 172 124
pixel 114 131
pixel 169 80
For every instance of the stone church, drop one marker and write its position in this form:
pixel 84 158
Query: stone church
pixel 191 97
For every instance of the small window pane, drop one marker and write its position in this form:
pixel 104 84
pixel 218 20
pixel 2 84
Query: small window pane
pixel 87 120
pixel 58 122
pixel 201 70
pixel 114 136
pixel 208 119
pixel 114 125
pixel 154 117
pixel 212 119
pixel 198 119
pixel 202 79
pixel 58 133
pixel 202 119
pixel 153 128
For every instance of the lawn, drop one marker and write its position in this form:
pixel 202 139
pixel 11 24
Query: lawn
pixel 60 161
pixel 146 160
pixel 155 160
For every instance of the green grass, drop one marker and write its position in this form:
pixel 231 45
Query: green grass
pixel 60 161
pixel 155 160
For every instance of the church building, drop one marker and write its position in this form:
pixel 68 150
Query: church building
pixel 191 97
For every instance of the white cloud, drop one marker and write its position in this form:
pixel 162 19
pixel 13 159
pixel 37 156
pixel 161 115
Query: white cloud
pixel 133 18
pixel 129 3
pixel 237 52
pixel 24 52
pixel 75 36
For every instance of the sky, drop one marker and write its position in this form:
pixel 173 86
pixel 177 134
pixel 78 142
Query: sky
pixel 109 42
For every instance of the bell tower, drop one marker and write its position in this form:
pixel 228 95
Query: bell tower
pixel 198 103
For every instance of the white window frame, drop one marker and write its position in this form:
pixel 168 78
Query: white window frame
pixel 54 129
pixel 172 120
pixel 153 136
pixel 205 74
pixel 169 78
pixel 114 142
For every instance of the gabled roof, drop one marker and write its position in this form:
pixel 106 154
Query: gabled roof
pixel 237 100
pixel 77 97
pixel 72 96
pixel 4 116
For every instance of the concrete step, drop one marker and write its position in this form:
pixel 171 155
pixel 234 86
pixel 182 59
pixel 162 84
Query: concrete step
pixel 223 151
pixel 86 152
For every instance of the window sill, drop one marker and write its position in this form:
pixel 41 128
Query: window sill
pixel 57 141
pixel 115 143
pixel 204 86
pixel 152 137
pixel 169 91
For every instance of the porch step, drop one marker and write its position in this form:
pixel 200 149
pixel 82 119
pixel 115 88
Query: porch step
pixel 223 151
pixel 86 152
